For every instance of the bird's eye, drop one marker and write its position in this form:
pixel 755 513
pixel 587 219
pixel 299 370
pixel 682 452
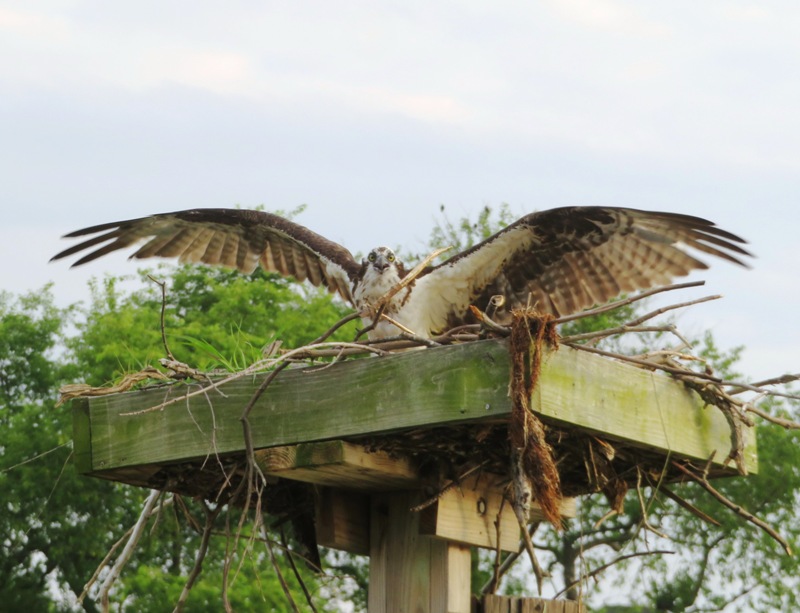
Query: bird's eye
pixel 391 257
pixel 371 257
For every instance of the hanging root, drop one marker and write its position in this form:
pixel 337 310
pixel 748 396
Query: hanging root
pixel 533 466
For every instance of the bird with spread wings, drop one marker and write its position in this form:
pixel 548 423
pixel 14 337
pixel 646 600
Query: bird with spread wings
pixel 560 261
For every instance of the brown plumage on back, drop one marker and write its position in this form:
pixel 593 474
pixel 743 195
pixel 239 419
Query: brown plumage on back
pixel 570 258
pixel 561 260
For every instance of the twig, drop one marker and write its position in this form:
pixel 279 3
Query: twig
pixel 447 487
pixel 163 287
pixel 608 565
pixel 344 320
pixel 252 369
pixel 780 421
pixel 35 520
pixel 623 329
pixel 79 390
pixel 782 380
pixel 277 568
pixel 495 580
pixel 537 569
pixel 102 565
pixel 488 323
pixel 412 275
pixel 227 561
pixel 36 457
pixel 672 307
pixel 127 551
pixel 109 554
pixel 211 516
pixel 491 585
pixel 746 387
pixel 615 305
pixel 290 557
pixel 739 510
pixel 687 505
pixel 645 363
pixel 645 522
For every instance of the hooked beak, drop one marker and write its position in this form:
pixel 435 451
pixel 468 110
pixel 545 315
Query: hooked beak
pixel 380 264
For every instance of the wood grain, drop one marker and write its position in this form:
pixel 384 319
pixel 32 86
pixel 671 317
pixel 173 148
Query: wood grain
pixel 445 385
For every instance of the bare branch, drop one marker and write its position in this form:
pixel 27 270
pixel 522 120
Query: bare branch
pixel 615 305
pixel 211 516
pixel 129 548
pixel 740 511
pixel 163 287
pixel 276 566
pixel 600 569
pixel 290 557
pixel 672 307
pixel 687 505
pixel 780 421
pixel 782 380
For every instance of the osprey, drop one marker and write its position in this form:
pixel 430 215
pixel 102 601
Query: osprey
pixel 559 261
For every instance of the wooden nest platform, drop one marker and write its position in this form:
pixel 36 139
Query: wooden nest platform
pixel 381 437
pixel 445 408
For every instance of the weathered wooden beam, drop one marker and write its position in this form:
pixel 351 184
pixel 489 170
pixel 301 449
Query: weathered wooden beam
pixel 340 464
pixel 426 388
pixel 467 514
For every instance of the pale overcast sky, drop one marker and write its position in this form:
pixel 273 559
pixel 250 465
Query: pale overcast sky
pixel 375 113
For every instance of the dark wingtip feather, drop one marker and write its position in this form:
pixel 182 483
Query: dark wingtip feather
pixel 96 240
pixel 99 228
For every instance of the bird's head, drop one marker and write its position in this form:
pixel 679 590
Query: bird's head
pixel 381 259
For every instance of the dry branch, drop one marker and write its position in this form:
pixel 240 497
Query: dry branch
pixel 211 516
pixel 615 561
pixel 738 509
pixel 129 548
pixel 780 421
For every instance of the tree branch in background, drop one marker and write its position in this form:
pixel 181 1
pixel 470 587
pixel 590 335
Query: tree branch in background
pixel 593 573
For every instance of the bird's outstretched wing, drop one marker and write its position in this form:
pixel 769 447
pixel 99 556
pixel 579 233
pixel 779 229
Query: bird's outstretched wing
pixel 232 238
pixel 570 258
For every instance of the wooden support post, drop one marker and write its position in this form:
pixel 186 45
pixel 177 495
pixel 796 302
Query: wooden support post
pixel 411 572
pixel 343 520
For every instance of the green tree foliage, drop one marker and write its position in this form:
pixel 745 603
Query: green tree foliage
pixel 58 526
pixel 48 517
pixel 467 232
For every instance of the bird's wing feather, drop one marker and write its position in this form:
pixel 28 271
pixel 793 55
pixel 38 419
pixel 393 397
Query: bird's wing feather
pixel 564 260
pixel 231 238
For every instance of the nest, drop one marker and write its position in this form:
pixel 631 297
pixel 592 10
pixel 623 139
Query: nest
pixel 574 462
